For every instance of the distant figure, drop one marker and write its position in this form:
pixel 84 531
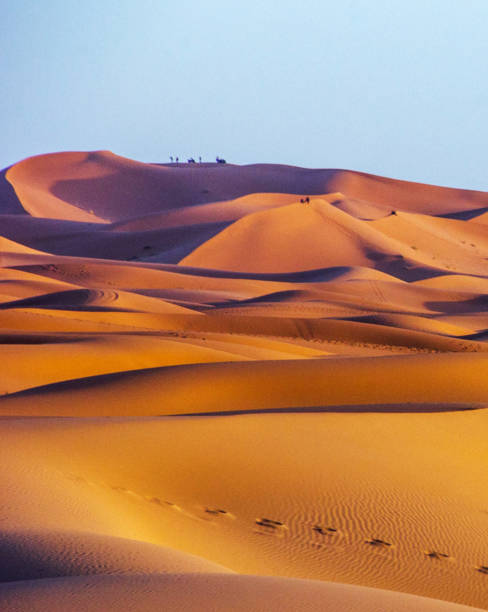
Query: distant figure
pixel 307 200
pixel 177 160
pixel 171 158
pixel 191 160
pixel 219 160
pixel 199 160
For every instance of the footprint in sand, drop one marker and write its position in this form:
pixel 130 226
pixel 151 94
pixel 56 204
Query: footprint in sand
pixel 434 554
pixel 151 499
pixel 162 502
pixel 378 543
pixel 215 511
pixel 218 513
pixel 126 491
pixel 270 527
pixel 265 522
pixel 326 531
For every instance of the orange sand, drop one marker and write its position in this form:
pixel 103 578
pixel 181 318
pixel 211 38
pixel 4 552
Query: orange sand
pixel 215 396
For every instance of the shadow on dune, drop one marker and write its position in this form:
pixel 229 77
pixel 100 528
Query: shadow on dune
pixel 42 554
pixel 315 275
pixel 9 202
pixel 45 234
pixel 478 337
pixel 75 299
pixel 154 189
pixel 477 304
pixel 144 190
pixel 402 268
pixel 347 409
pixel 466 215
pixel 70 238
pixel 274 297
pixel 13 338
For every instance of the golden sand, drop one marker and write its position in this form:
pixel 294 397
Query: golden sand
pixel 218 396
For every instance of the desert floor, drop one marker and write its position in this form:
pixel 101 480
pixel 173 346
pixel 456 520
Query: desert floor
pixel 240 388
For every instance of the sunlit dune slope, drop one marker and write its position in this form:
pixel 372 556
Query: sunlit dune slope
pixel 236 387
pixel 289 239
pixel 273 385
pixel 392 501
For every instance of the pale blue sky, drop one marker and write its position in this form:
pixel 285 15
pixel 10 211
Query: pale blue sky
pixel 397 88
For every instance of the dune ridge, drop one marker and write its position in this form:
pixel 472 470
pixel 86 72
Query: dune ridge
pixel 253 387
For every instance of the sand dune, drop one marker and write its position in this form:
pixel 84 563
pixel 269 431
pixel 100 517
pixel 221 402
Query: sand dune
pixel 28 555
pixel 271 385
pixel 276 241
pixel 240 388
pixel 336 508
pixel 101 186
pixel 213 594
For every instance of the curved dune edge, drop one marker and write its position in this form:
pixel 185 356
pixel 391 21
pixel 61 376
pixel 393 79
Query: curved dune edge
pixel 96 185
pixel 31 554
pixel 254 386
pixel 212 593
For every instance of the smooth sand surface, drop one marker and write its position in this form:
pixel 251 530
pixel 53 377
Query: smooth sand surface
pixel 216 395
pixel 179 592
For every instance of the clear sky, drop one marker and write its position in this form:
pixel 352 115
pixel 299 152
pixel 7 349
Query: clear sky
pixel 393 87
